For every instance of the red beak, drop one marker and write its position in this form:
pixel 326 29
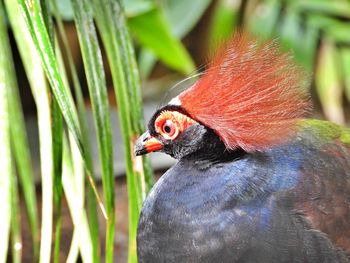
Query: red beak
pixel 146 144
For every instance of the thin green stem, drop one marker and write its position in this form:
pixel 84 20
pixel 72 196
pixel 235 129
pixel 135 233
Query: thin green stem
pixel 82 116
pixel 19 136
pixel 6 168
pixel 93 65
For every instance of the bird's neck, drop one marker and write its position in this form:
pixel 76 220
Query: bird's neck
pixel 212 151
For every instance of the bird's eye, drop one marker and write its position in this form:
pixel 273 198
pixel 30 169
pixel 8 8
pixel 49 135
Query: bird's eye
pixel 169 124
pixel 169 130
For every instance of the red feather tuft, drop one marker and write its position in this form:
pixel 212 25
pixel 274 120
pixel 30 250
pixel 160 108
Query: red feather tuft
pixel 252 95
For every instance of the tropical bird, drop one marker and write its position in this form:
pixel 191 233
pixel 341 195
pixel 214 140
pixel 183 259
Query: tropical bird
pixel 254 181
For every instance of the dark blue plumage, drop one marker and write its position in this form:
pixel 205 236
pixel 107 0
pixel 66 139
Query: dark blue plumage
pixel 290 203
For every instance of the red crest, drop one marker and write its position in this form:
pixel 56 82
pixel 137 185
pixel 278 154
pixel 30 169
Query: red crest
pixel 252 95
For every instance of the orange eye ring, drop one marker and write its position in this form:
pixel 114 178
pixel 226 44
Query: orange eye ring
pixel 170 124
pixel 169 130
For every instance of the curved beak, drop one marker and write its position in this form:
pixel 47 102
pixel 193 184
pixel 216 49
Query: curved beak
pixel 146 144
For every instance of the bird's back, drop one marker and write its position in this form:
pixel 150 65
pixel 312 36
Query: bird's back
pixel 288 204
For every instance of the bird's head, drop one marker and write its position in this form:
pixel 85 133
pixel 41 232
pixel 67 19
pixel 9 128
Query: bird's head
pixel 250 99
pixel 171 130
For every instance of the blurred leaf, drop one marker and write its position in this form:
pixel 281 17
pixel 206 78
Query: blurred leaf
pixel 307 48
pixel 302 41
pixel 264 20
pixel 65 9
pixel 137 7
pixel 183 15
pixel 223 21
pixel 132 8
pixel 152 31
pixel 73 253
pixel 290 30
pixel 16 238
pixel 18 132
pixel 345 56
pixel 336 8
pixel 146 62
pixel 6 169
pixel 328 84
pixel 333 28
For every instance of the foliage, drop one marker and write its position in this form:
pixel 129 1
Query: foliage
pixel 66 160
pixel 316 31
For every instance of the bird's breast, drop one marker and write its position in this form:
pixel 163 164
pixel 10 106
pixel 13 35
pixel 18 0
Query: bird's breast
pixel 196 214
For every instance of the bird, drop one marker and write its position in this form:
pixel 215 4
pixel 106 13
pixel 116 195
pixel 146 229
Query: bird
pixel 254 181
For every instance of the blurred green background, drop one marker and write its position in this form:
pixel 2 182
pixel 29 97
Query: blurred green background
pixel 75 79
